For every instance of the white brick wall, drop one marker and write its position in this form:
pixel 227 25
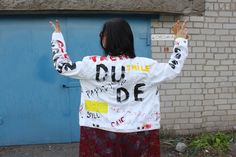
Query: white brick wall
pixel 203 97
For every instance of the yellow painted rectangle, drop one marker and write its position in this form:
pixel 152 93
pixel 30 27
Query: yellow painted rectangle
pixel 95 106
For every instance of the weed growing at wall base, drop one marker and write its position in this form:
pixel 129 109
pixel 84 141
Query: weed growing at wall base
pixel 211 143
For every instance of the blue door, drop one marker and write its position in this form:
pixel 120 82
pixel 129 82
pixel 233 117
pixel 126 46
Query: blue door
pixel 36 104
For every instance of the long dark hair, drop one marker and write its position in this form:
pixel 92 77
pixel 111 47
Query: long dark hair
pixel 119 38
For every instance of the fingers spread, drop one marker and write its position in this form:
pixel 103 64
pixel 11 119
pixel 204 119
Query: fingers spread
pixel 184 24
pixel 52 24
pixel 176 27
pixel 180 29
pixel 57 24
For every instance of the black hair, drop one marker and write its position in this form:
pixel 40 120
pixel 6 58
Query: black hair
pixel 119 38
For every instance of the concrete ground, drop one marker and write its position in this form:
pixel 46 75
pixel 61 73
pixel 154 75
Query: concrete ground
pixel 47 150
pixel 67 150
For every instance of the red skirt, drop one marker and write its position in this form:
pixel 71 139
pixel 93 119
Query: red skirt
pixel 100 143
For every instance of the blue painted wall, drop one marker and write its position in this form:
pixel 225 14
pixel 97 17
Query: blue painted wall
pixel 34 106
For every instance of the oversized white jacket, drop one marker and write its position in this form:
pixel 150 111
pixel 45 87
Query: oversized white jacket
pixel 118 93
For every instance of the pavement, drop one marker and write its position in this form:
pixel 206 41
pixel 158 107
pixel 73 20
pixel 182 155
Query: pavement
pixel 46 150
pixel 233 149
pixel 65 150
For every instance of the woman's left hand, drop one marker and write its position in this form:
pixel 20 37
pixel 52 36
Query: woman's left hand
pixel 180 30
pixel 56 27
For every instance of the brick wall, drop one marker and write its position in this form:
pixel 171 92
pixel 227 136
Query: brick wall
pixel 203 97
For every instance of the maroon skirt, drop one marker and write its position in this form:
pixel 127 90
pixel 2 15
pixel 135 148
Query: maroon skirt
pixel 100 143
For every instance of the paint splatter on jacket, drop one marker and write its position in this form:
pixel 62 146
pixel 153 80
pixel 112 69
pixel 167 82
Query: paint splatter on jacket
pixel 118 93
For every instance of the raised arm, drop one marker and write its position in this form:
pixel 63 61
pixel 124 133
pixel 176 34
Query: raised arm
pixel 61 60
pixel 167 71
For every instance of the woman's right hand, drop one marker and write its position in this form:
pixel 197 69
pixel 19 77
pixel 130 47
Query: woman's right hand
pixel 180 30
pixel 56 26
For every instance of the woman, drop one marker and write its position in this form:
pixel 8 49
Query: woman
pixel 120 108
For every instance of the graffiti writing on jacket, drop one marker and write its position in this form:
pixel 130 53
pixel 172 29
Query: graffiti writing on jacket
pixel 104 88
pixel 94 115
pixel 122 93
pixel 155 116
pixel 173 63
pixel 81 108
pixel 145 68
pixel 61 60
pixel 149 116
pixel 118 122
pixel 111 58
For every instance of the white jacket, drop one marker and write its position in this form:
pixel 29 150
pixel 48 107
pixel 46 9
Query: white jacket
pixel 118 93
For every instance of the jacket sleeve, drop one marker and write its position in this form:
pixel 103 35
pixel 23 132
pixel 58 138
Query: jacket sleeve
pixel 166 71
pixel 61 60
